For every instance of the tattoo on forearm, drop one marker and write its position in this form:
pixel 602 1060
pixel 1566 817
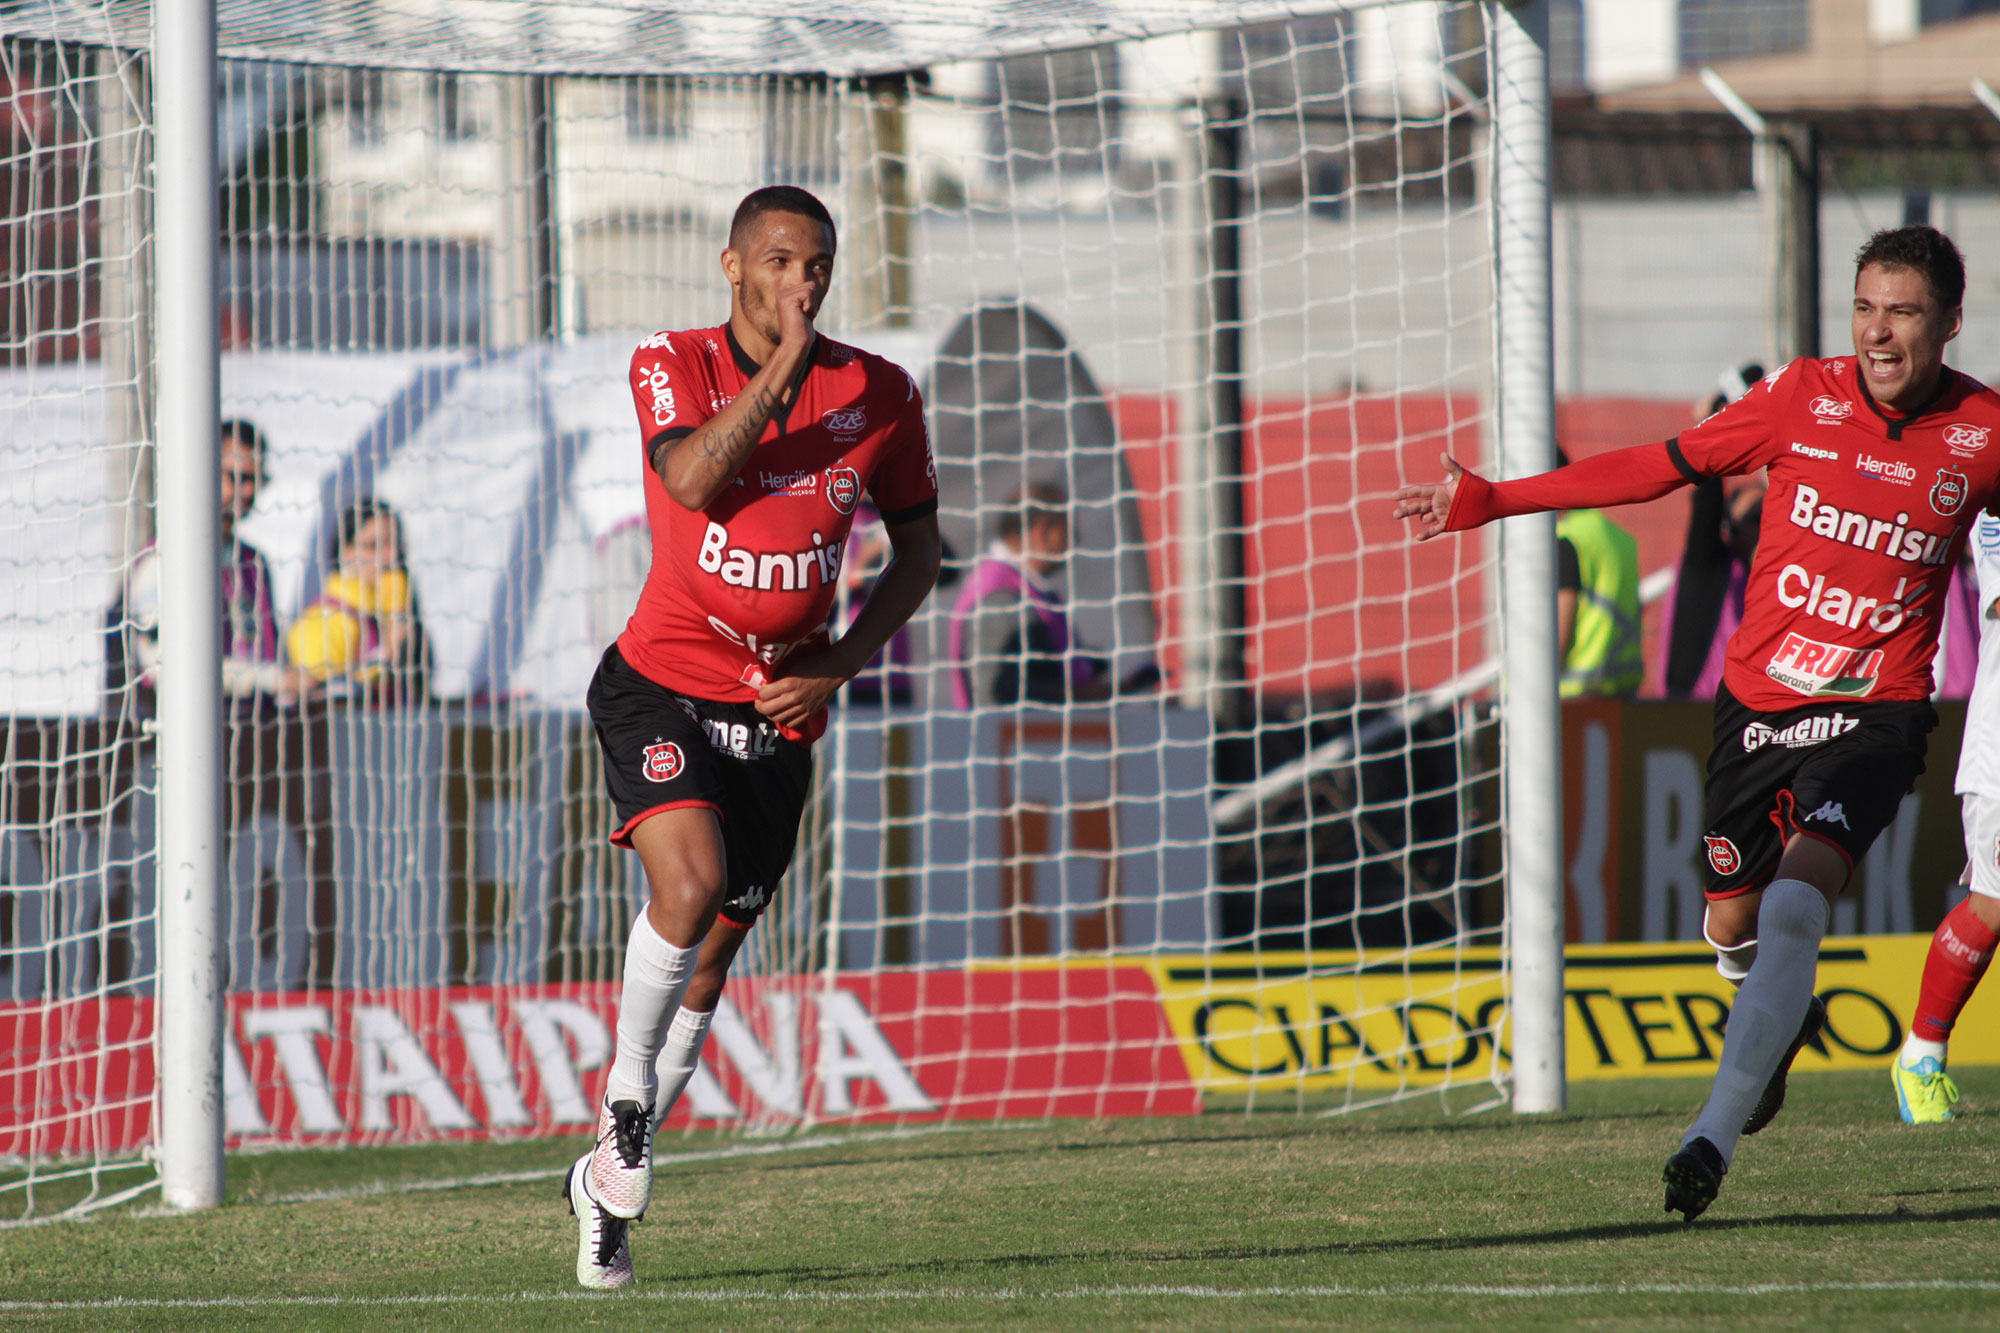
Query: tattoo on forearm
pixel 725 451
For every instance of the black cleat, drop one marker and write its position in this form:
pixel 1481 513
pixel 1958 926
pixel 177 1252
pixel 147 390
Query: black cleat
pixel 1694 1177
pixel 1773 1101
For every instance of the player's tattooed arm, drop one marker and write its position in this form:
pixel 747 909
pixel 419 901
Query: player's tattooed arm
pixel 696 467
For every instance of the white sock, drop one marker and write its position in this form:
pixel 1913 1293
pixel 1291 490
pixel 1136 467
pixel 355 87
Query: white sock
pixel 656 976
pixel 1770 1005
pixel 1915 1048
pixel 679 1057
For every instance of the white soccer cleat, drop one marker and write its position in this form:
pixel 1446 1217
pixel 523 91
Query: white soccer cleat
pixel 621 1165
pixel 603 1242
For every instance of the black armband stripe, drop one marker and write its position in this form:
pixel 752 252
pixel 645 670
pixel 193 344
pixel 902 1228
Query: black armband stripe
pixel 910 515
pixel 667 436
pixel 1681 465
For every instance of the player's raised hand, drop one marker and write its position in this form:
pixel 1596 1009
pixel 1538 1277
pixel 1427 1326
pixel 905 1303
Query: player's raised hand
pixel 795 314
pixel 1430 503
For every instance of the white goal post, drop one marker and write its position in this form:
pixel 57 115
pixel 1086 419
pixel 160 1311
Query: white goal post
pixel 1218 277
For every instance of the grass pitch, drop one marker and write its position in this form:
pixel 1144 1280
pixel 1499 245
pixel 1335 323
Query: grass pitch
pixel 1835 1217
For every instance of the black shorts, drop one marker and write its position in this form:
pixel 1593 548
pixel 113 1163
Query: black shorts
pixel 666 751
pixel 1832 771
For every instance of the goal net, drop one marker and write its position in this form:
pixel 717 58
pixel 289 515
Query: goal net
pixel 1203 283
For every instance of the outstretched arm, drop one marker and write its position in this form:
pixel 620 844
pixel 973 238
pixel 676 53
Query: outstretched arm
pixel 1467 500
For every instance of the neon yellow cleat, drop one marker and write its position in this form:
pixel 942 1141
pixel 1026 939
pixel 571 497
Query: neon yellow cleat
pixel 1924 1092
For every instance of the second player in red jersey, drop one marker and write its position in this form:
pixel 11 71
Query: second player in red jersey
pixel 1877 466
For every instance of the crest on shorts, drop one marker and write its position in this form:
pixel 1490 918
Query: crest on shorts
pixel 843 488
pixel 1723 858
pixel 1949 492
pixel 664 761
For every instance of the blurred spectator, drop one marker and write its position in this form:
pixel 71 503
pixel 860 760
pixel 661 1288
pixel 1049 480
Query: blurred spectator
pixel 1706 603
pixel 254 673
pixel 361 636
pixel 1597 605
pixel 1011 640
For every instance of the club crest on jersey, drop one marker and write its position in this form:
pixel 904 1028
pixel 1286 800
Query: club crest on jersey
pixel 845 420
pixel 843 488
pixel 1830 410
pixel 1723 857
pixel 664 761
pixel 1949 492
pixel 1815 668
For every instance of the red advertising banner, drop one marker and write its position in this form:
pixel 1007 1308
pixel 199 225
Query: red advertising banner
pixel 470 1062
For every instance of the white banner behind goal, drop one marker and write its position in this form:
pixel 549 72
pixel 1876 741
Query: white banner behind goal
pixel 1219 290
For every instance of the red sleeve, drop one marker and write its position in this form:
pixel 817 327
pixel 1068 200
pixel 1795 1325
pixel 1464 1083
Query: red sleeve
pixel 1622 476
pixel 665 392
pixel 1742 437
pixel 904 486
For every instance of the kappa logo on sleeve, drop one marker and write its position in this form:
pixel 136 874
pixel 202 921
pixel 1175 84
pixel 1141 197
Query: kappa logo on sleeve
pixel 664 761
pixel 1723 858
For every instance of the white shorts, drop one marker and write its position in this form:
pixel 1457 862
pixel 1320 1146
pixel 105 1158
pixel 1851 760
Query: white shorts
pixel 1981 817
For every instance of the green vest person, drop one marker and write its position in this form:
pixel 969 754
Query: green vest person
pixel 1597 606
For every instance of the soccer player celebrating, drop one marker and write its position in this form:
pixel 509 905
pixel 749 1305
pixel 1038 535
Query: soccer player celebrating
pixel 760 438
pixel 1964 943
pixel 1877 464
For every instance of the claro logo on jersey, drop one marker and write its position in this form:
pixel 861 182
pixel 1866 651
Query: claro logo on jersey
pixel 1806 732
pixel 1831 411
pixel 787 571
pixel 1812 667
pixel 1801 589
pixel 1948 492
pixel 654 377
pixel 1965 440
pixel 1896 539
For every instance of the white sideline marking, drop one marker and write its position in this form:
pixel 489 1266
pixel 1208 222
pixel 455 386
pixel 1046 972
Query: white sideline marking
pixel 1006 1295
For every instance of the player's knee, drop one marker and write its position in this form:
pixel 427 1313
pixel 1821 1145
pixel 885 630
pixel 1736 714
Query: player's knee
pixel 1986 910
pixel 1792 910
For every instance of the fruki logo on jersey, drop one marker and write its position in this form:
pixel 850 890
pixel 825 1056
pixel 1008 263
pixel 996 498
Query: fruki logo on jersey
pixel 1965 440
pixel 843 488
pixel 1723 857
pixel 1812 667
pixel 1949 491
pixel 663 761
pixel 1831 411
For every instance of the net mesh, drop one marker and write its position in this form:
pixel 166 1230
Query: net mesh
pixel 1215 293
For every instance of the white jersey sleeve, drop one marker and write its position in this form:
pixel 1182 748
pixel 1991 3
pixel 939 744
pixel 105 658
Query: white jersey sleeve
pixel 1979 751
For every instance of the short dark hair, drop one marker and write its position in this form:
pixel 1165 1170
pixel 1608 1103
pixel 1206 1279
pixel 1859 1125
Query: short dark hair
pixel 1921 249
pixel 246 434
pixel 778 199
pixel 1037 502
pixel 357 516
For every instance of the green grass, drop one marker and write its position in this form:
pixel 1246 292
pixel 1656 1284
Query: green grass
pixel 1394 1218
